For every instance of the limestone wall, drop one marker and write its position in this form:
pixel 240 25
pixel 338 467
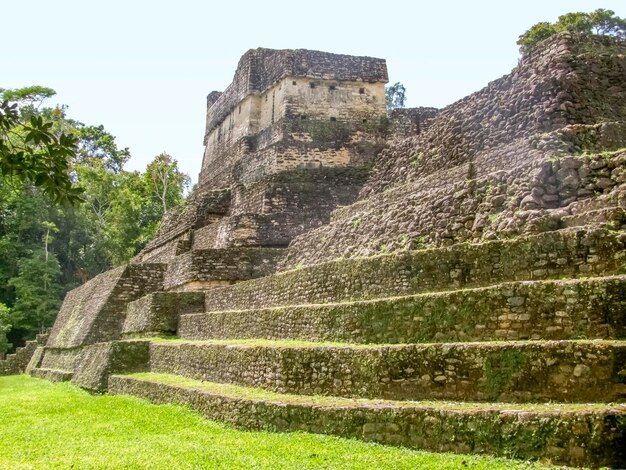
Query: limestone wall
pixel 555 310
pixel 17 362
pixel 266 120
pixel 407 122
pixel 95 311
pixel 201 208
pixel 259 69
pixel 533 197
pixel 318 190
pixel 158 313
pixel 202 269
pixel 568 80
pixel 476 170
pixel 408 372
pixel 271 87
pixel 550 255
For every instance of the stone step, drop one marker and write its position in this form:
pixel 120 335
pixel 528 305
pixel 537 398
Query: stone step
pixel 614 216
pixel 206 269
pixel 469 202
pixel 157 313
pixel 53 375
pixel 521 371
pixel 570 434
pixel 95 311
pixel 204 237
pixel 440 181
pixel 602 201
pixel 586 308
pixel 35 360
pixel 551 255
pixel 266 230
pixel 8 366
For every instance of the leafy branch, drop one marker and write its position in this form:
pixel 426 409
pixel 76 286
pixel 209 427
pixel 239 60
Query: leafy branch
pixel 31 153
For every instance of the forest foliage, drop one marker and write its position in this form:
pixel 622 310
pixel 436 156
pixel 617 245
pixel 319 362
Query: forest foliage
pixel 600 22
pixel 68 208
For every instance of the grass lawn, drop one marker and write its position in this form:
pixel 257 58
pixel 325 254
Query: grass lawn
pixel 46 425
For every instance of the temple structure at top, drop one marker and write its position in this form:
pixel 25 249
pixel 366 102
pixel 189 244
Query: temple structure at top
pixel 288 109
pixel 291 138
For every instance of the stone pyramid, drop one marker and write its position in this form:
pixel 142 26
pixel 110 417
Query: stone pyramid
pixel 450 280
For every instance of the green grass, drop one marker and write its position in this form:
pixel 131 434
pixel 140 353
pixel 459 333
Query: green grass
pixel 45 425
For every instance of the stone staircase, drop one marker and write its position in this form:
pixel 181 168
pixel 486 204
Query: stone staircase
pixel 17 362
pixel 472 299
pixel 408 349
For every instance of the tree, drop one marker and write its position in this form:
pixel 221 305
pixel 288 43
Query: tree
pixel 600 22
pixel 27 97
pixel 535 35
pixel 48 248
pixel 5 327
pixel 38 293
pixel 165 180
pixel 96 143
pixel 575 22
pixel 48 238
pixel 30 151
pixel 605 23
pixel 395 95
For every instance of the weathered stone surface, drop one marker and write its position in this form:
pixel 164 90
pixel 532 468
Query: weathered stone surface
pixel 484 261
pixel 158 313
pixel 52 375
pixel 98 361
pixel 570 437
pixel 202 269
pixel 19 361
pixel 477 170
pixel 569 371
pixel 590 308
pixel 95 311
pixel 521 106
pixel 282 102
pixel 529 198
pixel 550 255
pixel 201 208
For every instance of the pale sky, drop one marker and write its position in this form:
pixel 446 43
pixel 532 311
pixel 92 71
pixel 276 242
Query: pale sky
pixel 143 68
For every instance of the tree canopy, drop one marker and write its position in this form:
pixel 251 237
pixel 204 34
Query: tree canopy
pixel 395 95
pixel 30 151
pixel 49 246
pixel 601 22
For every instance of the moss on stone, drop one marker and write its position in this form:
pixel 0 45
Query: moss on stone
pixel 500 368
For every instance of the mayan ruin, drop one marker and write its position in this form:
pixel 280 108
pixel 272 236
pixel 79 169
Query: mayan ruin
pixel 452 279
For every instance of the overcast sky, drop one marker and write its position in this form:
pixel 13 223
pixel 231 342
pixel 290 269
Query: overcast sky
pixel 144 68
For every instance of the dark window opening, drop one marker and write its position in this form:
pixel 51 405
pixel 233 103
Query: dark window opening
pixel 361 91
pixel 302 116
pixel 332 87
pixel 312 84
pixel 364 120
pixel 333 118
pixel 294 83
pixel 239 109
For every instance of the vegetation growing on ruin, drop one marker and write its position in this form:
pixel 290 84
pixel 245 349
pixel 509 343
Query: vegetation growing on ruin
pixel 601 22
pixel 500 369
pixel 44 427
